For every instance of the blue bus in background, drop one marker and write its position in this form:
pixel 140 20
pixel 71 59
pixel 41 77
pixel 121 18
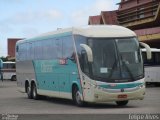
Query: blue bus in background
pixel 95 64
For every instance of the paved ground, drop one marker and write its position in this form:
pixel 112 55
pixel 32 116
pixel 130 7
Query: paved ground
pixel 14 102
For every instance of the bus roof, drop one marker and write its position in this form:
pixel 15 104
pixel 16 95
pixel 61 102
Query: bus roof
pixel 89 31
pixel 152 50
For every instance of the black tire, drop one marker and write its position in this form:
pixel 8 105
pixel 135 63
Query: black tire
pixel 1 76
pixel 122 103
pixel 13 78
pixel 34 92
pixel 76 97
pixel 29 92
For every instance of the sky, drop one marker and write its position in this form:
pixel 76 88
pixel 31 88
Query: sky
pixel 27 18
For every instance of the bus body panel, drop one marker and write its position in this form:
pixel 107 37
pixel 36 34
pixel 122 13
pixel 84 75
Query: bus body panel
pixel 25 73
pixel 51 76
pixel 49 80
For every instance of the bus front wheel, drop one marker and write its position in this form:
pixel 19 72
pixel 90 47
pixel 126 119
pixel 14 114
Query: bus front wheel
pixel 122 103
pixel 77 97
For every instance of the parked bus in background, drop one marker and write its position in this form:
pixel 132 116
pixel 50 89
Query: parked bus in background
pixel 95 64
pixel 9 71
pixel 152 66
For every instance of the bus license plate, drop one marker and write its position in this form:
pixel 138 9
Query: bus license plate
pixel 122 96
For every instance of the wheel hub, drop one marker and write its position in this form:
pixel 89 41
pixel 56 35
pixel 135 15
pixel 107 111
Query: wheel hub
pixel 78 97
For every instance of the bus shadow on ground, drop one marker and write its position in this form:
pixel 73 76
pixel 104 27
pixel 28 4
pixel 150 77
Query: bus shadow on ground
pixel 7 84
pixel 86 105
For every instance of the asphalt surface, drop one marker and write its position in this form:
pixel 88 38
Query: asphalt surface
pixel 15 103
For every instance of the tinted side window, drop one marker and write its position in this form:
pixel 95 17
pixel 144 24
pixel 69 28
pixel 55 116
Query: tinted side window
pixel 47 49
pixel 11 65
pixel 8 65
pixel 157 58
pixel 58 43
pixel 23 51
pixel 68 50
pixel 5 66
pixel 38 50
pixel 54 50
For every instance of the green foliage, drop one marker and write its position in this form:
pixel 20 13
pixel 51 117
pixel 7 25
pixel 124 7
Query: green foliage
pixel 4 59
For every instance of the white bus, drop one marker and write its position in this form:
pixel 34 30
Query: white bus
pixel 152 66
pixel 95 64
pixel 8 71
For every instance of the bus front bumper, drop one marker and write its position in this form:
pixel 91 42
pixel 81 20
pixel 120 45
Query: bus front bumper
pixel 102 95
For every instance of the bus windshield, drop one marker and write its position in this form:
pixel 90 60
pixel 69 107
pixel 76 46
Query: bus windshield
pixel 114 59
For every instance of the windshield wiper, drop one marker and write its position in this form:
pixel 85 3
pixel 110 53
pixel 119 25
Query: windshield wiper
pixel 112 70
pixel 128 70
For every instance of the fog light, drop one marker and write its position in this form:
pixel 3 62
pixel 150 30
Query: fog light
pixel 141 86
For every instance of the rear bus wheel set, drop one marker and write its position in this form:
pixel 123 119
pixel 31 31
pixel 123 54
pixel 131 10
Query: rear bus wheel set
pixel 29 92
pixel 32 92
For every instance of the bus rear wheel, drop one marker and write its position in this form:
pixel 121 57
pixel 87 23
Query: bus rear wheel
pixel 77 97
pixel 34 92
pixel 122 103
pixel 29 92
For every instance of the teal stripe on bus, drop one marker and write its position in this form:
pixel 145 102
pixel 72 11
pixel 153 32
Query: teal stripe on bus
pixel 120 86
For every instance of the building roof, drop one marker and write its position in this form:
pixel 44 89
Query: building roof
pixel 106 17
pixel 109 17
pixel 94 20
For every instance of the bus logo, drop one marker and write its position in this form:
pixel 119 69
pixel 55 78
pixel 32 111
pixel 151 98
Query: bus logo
pixel 122 90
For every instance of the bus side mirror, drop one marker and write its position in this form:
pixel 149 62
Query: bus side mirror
pixel 148 50
pixel 88 51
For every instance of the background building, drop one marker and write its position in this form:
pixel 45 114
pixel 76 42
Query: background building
pixel 106 17
pixel 11 47
pixel 142 16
